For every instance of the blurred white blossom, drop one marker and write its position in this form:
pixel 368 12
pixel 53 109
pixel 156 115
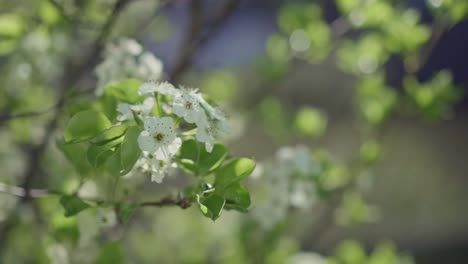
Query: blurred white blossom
pixel 141 110
pixel 285 180
pixel 57 254
pixel 306 258
pixel 126 59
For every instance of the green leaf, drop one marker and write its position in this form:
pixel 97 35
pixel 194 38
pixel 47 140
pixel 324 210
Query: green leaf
pixel 237 197
pixel 109 135
pixel 72 205
pixel 130 151
pixel 85 125
pixel 126 91
pixel 113 164
pixel 126 211
pixel 234 172
pixel 212 206
pixel 189 154
pixel 97 155
pixel 76 154
pixel 108 105
pixel 208 162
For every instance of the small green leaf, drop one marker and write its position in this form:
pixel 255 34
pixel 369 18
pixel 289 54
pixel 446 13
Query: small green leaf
pixel 126 211
pixel 130 151
pixel 208 162
pixel 189 154
pixel 110 134
pixel 72 205
pixel 237 197
pixel 234 172
pixel 212 206
pixel 126 91
pixel 85 125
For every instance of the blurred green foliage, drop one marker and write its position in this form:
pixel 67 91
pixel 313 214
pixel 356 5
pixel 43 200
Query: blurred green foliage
pixel 90 216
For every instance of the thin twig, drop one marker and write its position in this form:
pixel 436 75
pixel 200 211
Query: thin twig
pixel 437 32
pixel 42 193
pixel 186 58
pixel 168 201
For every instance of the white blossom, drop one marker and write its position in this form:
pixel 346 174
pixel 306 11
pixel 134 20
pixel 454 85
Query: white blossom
pixel 298 159
pixel 58 254
pixel 158 169
pixel 208 130
pixel 302 194
pixel 187 105
pixel 149 65
pixel 215 113
pixel 164 88
pixel 159 137
pixel 141 110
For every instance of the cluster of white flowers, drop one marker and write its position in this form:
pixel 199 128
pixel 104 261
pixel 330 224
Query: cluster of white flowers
pixel 286 181
pixel 126 59
pixel 159 140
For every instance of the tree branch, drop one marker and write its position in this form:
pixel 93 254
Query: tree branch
pixel 71 76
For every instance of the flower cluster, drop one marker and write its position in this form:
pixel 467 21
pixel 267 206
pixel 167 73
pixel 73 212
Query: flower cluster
pixel 286 180
pixel 126 59
pixel 161 139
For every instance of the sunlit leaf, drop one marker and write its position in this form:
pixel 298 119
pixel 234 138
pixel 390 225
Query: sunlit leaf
pixel 85 125
pixel 233 172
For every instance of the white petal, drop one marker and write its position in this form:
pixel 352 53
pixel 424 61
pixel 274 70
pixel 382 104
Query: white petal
pixel 123 108
pixel 147 142
pixel 209 146
pixel 193 116
pixel 166 121
pixel 151 124
pixel 174 146
pixel 152 64
pixel 148 105
pixel 202 136
pixel 167 89
pixel 147 87
pixel 179 110
pixel 162 153
pixel 157 176
pixel 126 111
